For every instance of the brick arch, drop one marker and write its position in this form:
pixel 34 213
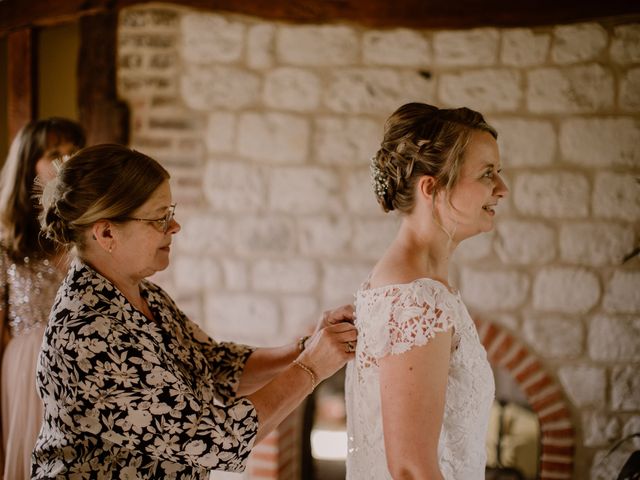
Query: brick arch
pixel 544 394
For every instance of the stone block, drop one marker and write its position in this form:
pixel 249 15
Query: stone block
pixel 248 318
pixel 601 142
pixel 291 88
pixel 146 42
pixel 565 290
pixel 494 290
pixel 595 244
pixel 217 87
pixel 209 38
pixel 584 385
pixel 475 248
pixel 631 426
pixel 525 143
pixel 235 274
pixel 263 235
pixel 317 45
pixel 599 428
pixel 340 282
pixel 234 187
pixel 607 466
pixel 399 47
pixel 623 293
pixel 630 90
pixel 625 44
pixel 350 141
pixel 521 47
pixel 284 276
pixel 578 42
pixel 134 88
pixel 579 89
pixel 322 235
pixel 220 132
pixel 203 234
pixel 304 190
pixel 372 237
pixel 475 47
pixel 193 273
pixel 625 388
pixel 359 195
pixel 614 338
pixel 555 337
pixel 148 18
pixel 488 90
pixel 300 313
pixel 260 46
pixel 524 242
pixel 552 195
pixel 375 90
pixel 616 196
pixel 273 137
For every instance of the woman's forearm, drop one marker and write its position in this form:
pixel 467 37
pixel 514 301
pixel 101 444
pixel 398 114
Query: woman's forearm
pixel 263 365
pixel 278 398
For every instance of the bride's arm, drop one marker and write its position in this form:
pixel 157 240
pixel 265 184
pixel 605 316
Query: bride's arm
pixel 412 387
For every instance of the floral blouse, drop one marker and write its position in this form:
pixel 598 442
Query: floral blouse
pixel 128 397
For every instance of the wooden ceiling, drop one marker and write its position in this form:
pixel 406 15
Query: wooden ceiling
pixel 15 14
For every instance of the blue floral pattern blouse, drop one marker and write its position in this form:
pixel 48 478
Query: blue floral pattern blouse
pixel 129 397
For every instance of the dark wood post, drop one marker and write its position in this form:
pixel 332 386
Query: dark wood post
pixel 22 81
pixel 103 116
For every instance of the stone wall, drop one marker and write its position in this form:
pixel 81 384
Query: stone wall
pixel 267 129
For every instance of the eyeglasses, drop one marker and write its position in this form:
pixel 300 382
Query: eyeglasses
pixel 161 224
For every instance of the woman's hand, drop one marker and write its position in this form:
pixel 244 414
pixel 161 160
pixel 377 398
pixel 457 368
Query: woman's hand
pixel 345 313
pixel 331 347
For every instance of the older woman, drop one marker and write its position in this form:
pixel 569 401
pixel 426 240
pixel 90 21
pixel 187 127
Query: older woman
pixel 131 387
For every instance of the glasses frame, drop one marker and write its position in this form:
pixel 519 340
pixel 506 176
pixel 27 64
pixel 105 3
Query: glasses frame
pixel 162 222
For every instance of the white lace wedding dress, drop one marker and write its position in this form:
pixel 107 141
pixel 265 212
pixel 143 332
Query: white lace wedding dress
pixel 391 320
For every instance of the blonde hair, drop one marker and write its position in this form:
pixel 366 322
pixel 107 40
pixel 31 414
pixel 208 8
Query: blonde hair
pixel 100 182
pixel 421 139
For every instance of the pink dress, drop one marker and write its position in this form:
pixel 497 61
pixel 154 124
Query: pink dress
pixel 27 291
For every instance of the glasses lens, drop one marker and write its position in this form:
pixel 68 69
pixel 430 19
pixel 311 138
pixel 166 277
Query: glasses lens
pixel 168 218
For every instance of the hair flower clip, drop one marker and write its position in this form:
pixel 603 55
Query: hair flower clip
pixel 379 180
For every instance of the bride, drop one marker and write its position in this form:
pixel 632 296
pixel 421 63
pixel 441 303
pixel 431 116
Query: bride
pixel 420 389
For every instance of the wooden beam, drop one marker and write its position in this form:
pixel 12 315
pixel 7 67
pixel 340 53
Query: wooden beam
pixel 102 115
pixel 371 13
pixel 22 96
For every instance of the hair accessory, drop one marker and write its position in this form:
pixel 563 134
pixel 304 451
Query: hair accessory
pixel 379 180
pixel 312 375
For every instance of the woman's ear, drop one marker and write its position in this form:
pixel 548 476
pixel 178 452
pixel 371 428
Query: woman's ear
pixel 102 233
pixel 426 186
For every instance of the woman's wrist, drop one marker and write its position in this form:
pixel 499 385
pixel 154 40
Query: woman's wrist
pixel 310 373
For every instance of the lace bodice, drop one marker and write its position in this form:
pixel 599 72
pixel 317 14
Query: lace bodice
pixel 391 320
pixel 27 291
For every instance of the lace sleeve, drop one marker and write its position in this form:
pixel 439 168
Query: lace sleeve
pixel 412 318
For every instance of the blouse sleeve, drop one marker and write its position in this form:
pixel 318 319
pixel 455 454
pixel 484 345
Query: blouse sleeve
pixel 110 382
pixel 410 318
pixel 225 360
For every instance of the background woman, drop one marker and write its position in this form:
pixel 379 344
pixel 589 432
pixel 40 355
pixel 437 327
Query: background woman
pixel 420 390
pixel 30 273
pixel 131 387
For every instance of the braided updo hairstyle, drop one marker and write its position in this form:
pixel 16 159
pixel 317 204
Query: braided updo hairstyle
pixel 421 139
pixel 101 182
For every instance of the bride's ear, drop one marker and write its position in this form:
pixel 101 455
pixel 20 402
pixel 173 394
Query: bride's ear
pixel 426 187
